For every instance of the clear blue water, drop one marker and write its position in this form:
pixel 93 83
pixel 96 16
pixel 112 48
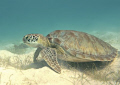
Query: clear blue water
pixel 21 17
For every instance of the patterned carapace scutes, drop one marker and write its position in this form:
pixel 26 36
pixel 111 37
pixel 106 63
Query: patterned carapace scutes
pixel 83 45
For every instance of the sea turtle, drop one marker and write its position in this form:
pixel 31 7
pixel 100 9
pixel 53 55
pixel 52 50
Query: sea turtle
pixel 69 45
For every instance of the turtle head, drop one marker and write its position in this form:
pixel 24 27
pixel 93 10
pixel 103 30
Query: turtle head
pixel 35 40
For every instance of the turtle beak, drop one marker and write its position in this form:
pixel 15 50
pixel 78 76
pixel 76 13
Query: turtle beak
pixel 24 39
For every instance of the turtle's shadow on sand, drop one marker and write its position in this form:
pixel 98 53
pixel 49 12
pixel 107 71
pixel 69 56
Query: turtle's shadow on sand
pixel 35 65
pixel 80 66
pixel 84 66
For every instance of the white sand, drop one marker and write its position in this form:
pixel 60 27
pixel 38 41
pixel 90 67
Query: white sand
pixel 11 75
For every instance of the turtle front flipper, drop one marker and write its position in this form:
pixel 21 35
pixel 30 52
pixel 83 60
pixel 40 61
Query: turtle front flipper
pixel 50 56
pixel 36 54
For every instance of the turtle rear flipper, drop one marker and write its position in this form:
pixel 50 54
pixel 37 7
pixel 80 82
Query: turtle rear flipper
pixel 50 56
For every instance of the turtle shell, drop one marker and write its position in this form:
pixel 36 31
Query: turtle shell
pixel 83 45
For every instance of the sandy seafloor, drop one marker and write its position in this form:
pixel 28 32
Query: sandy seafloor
pixel 22 71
